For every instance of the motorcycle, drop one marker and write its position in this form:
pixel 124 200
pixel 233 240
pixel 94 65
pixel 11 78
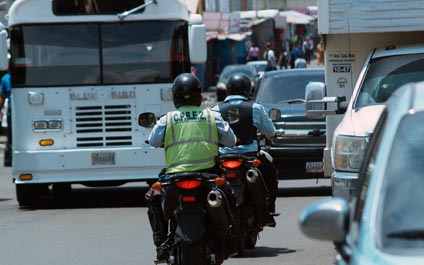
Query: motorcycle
pixel 251 192
pixel 199 215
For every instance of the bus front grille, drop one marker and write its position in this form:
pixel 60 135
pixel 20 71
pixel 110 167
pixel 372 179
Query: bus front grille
pixel 108 125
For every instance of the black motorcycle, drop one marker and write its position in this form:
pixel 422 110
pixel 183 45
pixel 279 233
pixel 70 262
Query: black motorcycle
pixel 199 215
pixel 252 197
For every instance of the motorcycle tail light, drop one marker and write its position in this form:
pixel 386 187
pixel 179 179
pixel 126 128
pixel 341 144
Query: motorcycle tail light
pixel 231 164
pixel 188 184
pixel 189 199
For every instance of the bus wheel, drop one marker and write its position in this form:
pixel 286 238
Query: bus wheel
pixel 30 194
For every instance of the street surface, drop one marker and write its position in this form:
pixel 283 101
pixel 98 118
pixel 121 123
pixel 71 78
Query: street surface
pixel 109 226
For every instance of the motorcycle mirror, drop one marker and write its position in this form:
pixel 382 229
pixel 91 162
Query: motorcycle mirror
pixel 275 114
pixel 147 119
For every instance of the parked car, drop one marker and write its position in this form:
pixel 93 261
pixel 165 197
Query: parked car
pixel 384 222
pixel 298 148
pixel 232 69
pixel 385 70
pixel 260 65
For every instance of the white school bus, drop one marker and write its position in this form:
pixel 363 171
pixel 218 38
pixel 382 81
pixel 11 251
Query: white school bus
pixel 82 72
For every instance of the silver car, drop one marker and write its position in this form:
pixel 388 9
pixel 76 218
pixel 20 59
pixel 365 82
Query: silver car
pixel 384 223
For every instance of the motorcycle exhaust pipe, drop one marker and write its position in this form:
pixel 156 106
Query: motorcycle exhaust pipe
pixel 252 175
pixel 214 198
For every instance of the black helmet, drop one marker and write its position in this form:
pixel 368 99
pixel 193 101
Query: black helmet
pixel 186 90
pixel 239 84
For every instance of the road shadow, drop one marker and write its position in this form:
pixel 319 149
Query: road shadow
pixel 264 252
pixel 304 191
pixel 99 197
pixel 133 196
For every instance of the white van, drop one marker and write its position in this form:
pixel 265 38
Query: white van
pixel 385 70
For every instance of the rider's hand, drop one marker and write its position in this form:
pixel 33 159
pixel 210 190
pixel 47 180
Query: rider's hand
pixel 270 138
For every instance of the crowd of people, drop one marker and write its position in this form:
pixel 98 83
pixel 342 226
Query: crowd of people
pixel 297 55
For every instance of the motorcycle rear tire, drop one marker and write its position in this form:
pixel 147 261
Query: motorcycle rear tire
pixel 250 241
pixel 239 231
pixel 192 254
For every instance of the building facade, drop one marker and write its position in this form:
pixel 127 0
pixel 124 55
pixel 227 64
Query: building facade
pixel 241 5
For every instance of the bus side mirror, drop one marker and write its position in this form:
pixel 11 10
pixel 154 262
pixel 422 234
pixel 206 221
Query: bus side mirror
pixel 147 120
pixel 4 60
pixel 197 39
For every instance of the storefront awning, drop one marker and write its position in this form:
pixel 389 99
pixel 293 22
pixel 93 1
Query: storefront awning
pixel 294 17
pixel 280 21
pixel 210 35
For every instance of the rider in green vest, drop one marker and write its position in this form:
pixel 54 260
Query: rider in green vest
pixel 191 140
pixel 191 136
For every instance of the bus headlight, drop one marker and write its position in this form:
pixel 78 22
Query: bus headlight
pixel 55 125
pixel 47 125
pixel 40 125
pixel 35 98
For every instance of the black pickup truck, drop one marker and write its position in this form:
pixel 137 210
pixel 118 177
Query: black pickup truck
pixel 298 146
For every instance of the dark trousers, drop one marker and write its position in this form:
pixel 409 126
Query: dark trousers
pixel 270 175
pixel 156 217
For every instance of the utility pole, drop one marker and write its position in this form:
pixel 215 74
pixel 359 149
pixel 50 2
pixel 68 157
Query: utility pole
pixel 244 5
pixel 201 7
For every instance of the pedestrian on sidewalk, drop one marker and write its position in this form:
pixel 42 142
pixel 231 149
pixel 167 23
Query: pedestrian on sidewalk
pixel 320 53
pixel 253 53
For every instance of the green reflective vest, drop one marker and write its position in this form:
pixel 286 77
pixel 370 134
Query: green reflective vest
pixel 191 140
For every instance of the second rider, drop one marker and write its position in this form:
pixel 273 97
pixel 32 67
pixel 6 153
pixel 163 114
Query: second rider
pixel 247 118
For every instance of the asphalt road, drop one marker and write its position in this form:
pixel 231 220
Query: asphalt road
pixel 109 226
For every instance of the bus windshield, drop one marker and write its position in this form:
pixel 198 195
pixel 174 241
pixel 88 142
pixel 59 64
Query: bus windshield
pixel 98 53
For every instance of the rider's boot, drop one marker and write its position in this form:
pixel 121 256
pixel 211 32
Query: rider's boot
pixel 158 224
pixel 162 251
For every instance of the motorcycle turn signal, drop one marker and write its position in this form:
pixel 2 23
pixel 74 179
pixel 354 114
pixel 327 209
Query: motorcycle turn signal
pixel 157 186
pixel 219 181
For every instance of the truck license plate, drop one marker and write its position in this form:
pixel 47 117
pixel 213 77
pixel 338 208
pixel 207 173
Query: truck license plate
pixel 314 167
pixel 103 158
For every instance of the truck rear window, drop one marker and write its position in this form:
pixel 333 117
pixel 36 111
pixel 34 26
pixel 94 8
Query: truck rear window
pixel 93 7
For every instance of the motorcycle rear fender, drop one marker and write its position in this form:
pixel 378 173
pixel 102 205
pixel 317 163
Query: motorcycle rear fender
pixel 238 187
pixel 191 224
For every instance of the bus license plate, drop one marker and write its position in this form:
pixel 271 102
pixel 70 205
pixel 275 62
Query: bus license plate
pixel 103 158
pixel 314 167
